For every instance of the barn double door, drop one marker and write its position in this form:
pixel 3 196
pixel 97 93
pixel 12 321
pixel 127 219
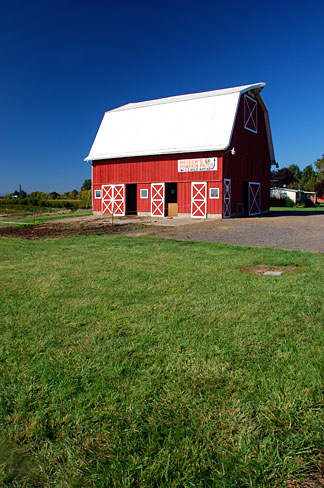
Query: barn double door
pixel 113 199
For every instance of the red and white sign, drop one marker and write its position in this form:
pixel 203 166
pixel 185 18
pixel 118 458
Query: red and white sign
pixel 198 200
pixel 113 199
pixel 199 164
pixel 157 200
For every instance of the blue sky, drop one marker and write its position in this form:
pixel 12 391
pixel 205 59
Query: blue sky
pixel 64 63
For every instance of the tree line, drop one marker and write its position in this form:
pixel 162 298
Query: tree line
pixel 69 199
pixel 311 178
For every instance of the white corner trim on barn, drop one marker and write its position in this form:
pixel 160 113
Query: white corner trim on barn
pixel 186 123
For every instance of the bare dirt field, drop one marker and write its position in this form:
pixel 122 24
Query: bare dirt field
pixel 80 226
pixel 302 231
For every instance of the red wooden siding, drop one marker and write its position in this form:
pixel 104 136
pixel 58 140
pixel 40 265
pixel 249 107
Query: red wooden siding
pixel 251 161
pixel 215 205
pixel 157 169
pixel 151 169
pixel 96 201
pixel 144 204
pixel 184 198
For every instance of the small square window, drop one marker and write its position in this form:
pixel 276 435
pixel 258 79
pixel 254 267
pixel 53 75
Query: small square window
pixel 144 193
pixel 214 193
pixel 97 193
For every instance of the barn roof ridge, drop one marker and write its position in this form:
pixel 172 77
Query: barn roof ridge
pixel 191 96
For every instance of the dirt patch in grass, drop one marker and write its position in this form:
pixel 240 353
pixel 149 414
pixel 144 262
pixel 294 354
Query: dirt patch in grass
pixel 315 481
pixel 260 269
pixel 58 230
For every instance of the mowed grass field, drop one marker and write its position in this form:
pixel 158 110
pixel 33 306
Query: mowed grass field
pixel 142 362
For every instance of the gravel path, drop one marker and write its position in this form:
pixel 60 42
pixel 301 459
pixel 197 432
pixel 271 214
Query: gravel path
pixel 300 231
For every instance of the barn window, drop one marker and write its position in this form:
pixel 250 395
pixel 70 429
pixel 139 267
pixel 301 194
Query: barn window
pixel 97 193
pixel 144 193
pixel 250 114
pixel 214 193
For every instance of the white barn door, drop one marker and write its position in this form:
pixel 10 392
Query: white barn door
pixel 227 199
pixel 198 200
pixel 107 198
pixel 157 199
pixel 254 198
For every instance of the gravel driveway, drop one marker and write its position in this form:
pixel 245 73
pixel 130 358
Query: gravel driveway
pixel 302 231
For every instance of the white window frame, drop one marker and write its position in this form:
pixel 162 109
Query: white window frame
pixel 95 194
pixel 246 119
pixel 141 194
pixel 210 191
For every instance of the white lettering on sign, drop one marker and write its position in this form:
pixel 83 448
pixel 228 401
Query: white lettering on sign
pixel 200 164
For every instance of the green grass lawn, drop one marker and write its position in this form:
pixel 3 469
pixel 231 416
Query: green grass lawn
pixel 319 208
pixel 140 362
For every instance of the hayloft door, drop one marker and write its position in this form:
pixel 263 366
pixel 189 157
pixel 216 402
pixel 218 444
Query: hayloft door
pixel 198 200
pixel 157 200
pixel 227 199
pixel 254 198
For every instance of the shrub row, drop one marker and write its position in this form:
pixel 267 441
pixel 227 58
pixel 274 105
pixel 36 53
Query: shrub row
pixel 34 203
pixel 287 202
pixel 281 202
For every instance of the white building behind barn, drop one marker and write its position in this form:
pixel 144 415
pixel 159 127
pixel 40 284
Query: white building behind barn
pixel 297 196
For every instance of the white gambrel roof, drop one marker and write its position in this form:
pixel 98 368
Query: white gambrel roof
pixel 181 124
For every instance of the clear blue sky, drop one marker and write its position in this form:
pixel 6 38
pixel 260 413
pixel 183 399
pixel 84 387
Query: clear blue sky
pixel 64 63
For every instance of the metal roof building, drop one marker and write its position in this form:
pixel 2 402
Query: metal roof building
pixel 177 152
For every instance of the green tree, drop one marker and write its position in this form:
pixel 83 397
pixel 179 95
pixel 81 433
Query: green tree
pixel 319 165
pixel 308 179
pixel 319 188
pixel 281 177
pixel 295 171
pixel 53 195
pixel 86 185
pixel 40 195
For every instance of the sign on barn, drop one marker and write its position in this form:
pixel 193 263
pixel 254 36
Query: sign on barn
pixel 199 164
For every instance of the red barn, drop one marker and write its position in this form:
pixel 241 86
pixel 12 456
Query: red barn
pixel 204 155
